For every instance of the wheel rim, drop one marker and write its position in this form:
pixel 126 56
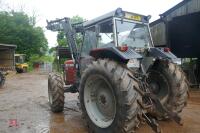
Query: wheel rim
pixel 50 92
pixel 99 100
pixel 159 85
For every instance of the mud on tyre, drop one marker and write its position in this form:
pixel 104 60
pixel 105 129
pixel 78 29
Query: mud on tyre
pixel 108 99
pixel 168 82
pixel 56 92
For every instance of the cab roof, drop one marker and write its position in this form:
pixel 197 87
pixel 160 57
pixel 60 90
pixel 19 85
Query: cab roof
pixel 117 13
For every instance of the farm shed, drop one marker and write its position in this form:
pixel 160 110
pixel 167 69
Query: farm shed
pixel 7 58
pixel 179 29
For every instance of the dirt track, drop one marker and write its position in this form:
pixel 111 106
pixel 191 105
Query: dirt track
pixel 24 98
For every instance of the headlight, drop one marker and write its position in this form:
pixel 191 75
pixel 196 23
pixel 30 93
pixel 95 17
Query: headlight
pixel 133 63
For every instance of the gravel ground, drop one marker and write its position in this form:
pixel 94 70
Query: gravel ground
pixel 24 100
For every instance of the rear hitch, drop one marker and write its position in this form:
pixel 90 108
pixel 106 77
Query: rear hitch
pixel 145 117
pixel 159 107
pixel 153 103
pixel 152 122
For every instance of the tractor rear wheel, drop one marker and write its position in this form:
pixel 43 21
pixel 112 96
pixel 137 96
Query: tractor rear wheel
pixel 108 98
pixel 56 93
pixel 168 82
pixel 2 79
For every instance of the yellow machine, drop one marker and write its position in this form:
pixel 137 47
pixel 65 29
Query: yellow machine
pixel 21 66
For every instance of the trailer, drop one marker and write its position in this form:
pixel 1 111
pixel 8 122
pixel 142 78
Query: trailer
pixel 7 60
pixel 178 29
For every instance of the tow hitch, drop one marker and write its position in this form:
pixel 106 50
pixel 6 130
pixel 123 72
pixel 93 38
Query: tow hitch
pixel 150 103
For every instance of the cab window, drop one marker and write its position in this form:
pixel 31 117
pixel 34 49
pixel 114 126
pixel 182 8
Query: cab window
pixel 106 36
pixel 90 41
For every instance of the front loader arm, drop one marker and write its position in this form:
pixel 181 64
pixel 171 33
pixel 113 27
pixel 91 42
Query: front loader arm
pixel 70 33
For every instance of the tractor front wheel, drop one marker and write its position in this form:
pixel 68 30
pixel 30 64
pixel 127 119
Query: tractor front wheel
pixel 108 98
pixel 25 70
pixel 56 93
pixel 19 70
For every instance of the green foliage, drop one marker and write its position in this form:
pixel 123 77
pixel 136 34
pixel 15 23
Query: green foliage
pixel 39 59
pixel 19 29
pixel 61 39
pixel 52 50
pixel 77 19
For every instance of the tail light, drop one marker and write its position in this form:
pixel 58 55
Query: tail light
pixel 167 50
pixel 123 48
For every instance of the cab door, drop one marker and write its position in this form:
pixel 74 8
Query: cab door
pixel 89 43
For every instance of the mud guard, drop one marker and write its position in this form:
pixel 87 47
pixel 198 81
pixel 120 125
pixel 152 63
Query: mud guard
pixel 160 53
pixel 114 53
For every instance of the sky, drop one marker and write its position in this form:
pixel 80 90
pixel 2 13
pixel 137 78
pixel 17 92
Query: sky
pixel 88 9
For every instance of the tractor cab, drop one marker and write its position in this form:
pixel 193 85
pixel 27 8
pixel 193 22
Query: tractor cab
pixel 118 28
pixel 114 35
pixel 21 66
pixel 19 58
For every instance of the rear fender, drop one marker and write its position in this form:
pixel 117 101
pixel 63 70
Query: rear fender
pixel 115 54
pixel 159 53
pixel 155 55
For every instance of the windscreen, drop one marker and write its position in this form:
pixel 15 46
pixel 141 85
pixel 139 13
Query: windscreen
pixel 19 59
pixel 133 34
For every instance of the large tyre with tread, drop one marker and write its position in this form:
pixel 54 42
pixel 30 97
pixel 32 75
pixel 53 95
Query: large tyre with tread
pixel 108 98
pixel 168 82
pixel 56 93
pixel 19 70
pixel 2 79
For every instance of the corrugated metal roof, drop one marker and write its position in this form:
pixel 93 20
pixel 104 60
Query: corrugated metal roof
pixel 168 12
pixel 155 22
pixel 175 7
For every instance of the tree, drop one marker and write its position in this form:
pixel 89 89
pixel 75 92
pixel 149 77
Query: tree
pixel 61 39
pixel 18 28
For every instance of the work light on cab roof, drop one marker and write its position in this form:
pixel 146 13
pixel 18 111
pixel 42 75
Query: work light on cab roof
pixel 132 16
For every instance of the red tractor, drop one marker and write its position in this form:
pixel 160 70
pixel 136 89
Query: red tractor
pixel 121 78
pixel 69 72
